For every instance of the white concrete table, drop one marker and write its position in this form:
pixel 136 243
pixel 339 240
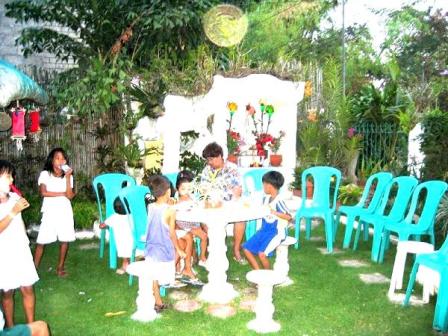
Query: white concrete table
pixel 145 297
pixel 396 281
pixel 218 290
pixel 264 308
pixel 281 264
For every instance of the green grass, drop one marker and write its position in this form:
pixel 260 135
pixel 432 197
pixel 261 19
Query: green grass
pixel 326 299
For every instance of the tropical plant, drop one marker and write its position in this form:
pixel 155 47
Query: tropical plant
pixel 349 194
pixel 296 183
pixel 442 216
pixel 434 145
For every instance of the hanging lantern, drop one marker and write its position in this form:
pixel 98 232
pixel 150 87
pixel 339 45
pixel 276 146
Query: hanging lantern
pixel 35 129
pixel 18 126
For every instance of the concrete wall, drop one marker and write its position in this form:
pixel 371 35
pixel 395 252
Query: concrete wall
pixel 9 31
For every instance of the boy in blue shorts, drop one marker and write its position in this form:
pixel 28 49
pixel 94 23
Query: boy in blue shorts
pixel 273 228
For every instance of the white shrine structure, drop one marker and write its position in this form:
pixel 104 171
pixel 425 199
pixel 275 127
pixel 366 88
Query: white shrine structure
pixel 183 114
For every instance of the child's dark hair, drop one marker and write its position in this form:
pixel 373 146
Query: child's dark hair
pixel 183 177
pixel 119 207
pixel 158 184
pixel 274 178
pixel 48 166
pixel 6 167
pixel 212 150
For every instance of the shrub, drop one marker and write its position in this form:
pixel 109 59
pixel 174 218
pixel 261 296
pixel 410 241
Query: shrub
pixel 435 145
pixel 85 212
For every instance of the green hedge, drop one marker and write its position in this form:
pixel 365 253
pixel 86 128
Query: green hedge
pixel 435 145
pixel 85 211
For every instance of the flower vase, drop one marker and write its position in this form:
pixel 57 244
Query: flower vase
pixel 275 160
pixel 232 158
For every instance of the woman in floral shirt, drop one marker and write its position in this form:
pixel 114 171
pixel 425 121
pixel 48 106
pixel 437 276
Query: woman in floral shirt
pixel 225 175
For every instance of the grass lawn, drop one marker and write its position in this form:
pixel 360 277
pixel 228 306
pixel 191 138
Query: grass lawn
pixel 326 299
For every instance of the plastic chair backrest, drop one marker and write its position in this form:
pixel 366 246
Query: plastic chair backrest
pixel 133 199
pixel 434 193
pixel 112 183
pixel 252 180
pixel 382 179
pixel 322 180
pixel 172 177
pixel 405 187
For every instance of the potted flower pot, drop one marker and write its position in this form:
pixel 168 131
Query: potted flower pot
pixel 232 158
pixel 309 189
pixel 275 160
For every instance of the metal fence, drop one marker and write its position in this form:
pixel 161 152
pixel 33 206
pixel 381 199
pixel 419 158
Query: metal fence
pixel 383 142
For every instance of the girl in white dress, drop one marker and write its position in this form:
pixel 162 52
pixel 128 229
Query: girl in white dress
pixel 16 261
pixel 56 187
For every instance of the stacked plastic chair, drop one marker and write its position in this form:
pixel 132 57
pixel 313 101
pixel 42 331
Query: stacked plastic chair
pixel 404 186
pixel 437 261
pixel 364 206
pixel 405 229
pixel 322 204
pixel 111 183
pixel 133 199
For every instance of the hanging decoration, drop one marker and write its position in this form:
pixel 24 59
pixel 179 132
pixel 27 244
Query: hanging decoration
pixel 18 126
pixel 35 130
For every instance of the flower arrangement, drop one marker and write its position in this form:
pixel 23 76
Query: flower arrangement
pixel 210 193
pixel 262 136
pixel 275 143
pixel 233 138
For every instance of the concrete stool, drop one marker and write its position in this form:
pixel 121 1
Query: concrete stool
pixel 264 308
pixel 403 248
pixel 281 264
pixel 145 298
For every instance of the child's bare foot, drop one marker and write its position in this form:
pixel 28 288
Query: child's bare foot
pixel 61 273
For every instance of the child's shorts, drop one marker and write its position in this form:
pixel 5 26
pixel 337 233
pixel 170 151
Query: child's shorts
pixel 17 330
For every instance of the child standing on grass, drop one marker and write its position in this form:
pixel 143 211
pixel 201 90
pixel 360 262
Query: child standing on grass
pixel 56 187
pixel 161 240
pixel 184 191
pixel 273 228
pixel 16 261
pixel 119 222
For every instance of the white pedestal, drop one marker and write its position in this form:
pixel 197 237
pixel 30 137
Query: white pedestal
pixel 217 290
pixel 281 265
pixel 145 298
pixel 264 308
pixel 396 281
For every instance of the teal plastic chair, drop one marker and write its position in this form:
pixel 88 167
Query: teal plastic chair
pixel 135 206
pixel 172 177
pixel 437 261
pixel 404 185
pixel 381 180
pixel 252 183
pixel 322 204
pixel 111 184
pixel 408 228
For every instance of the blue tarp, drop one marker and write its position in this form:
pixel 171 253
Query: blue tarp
pixel 15 85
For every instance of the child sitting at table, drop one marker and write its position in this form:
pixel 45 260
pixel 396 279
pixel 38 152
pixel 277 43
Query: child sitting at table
pixel 273 228
pixel 161 240
pixel 184 192
pixel 119 223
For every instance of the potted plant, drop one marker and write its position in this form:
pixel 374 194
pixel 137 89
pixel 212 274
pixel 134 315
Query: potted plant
pixel 352 148
pixel 296 184
pixel 233 138
pixel 349 194
pixel 276 159
pixel 132 155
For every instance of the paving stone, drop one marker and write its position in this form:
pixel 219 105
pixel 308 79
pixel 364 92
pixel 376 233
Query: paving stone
pixel 352 263
pixel 398 298
pixel 317 239
pixel 373 278
pixel 187 306
pixel 89 246
pixel 324 251
pixel 221 311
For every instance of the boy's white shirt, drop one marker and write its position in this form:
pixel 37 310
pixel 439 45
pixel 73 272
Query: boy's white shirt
pixel 282 223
